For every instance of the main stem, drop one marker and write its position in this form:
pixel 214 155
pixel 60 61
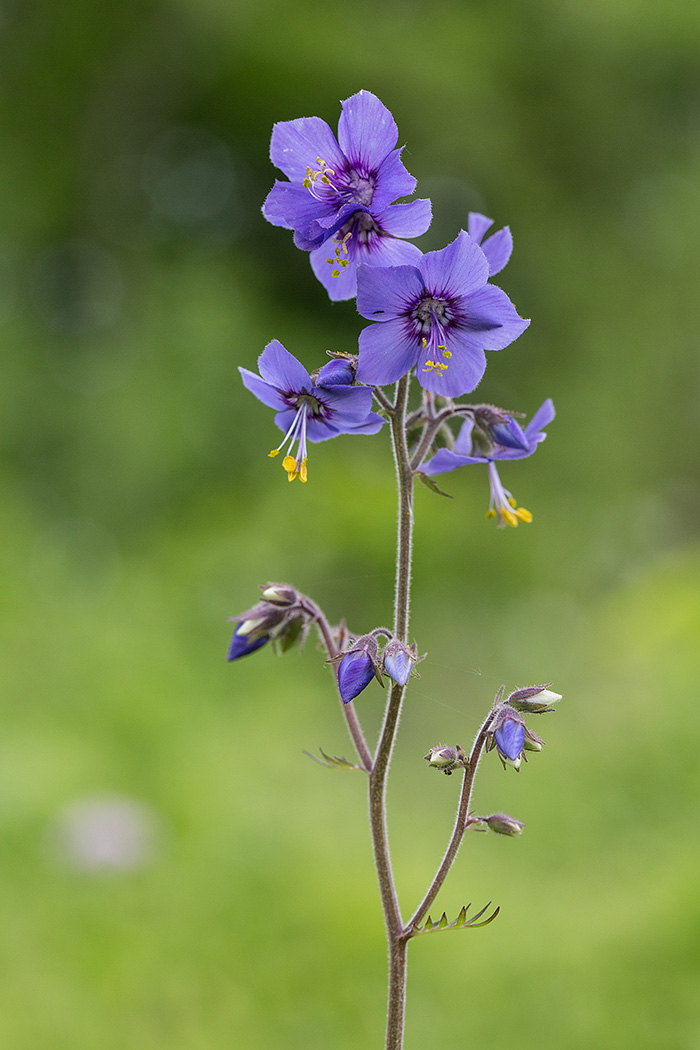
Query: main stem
pixel 396 939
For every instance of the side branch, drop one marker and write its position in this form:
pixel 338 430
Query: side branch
pixel 461 824
pixel 351 719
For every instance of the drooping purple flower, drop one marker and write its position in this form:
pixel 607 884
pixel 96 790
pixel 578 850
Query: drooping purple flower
pixel 308 410
pixel 398 662
pixel 355 671
pixel 497 247
pixel 438 316
pixel 510 741
pixel 343 192
pixel 512 442
pixel 243 644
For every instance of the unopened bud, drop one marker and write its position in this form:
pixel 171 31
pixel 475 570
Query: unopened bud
pixel 398 662
pixel 445 759
pixel 357 668
pixel 242 645
pixel 279 594
pixel 534 699
pixel 502 824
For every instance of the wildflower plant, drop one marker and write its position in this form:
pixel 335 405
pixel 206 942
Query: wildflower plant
pixel 432 319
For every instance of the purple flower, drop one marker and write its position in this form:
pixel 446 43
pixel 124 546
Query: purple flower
pixel 308 410
pixel 398 662
pixel 344 191
pixel 439 315
pixel 497 247
pixel 355 671
pixel 510 741
pixel 511 443
pixel 243 644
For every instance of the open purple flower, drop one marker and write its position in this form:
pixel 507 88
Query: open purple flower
pixel 511 442
pixel 308 410
pixel 344 191
pixel 438 316
pixel 497 247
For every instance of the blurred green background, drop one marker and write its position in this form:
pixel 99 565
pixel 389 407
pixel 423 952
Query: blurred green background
pixel 173 871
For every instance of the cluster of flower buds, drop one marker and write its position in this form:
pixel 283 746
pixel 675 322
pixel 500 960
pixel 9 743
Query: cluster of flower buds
pixel 280 618
pixel 508 732
pixel 363 661
pixel 446 759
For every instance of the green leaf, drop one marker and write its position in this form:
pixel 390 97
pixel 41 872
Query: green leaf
pixel 430 484
pixel 333 761
pixel 461 922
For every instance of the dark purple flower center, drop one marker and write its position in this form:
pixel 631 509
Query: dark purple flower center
pixel 428 311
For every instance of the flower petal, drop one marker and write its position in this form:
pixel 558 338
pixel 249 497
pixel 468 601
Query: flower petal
pixel 281 369
pixel 489 315
pixel 367 132
pixel 384 292
pixel 405 220
pixel 542 417
pixel 445 460
pixel 477 225
pixel 269 395
pixel 296 145
pixel 457 270
pixel 498 250
pixel 463 374
pixel 345 405
pixel 510 739
pixel 293 207
pixel 387 352
pixel 392 181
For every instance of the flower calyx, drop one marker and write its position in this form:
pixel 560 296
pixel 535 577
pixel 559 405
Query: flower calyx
pixel 446 759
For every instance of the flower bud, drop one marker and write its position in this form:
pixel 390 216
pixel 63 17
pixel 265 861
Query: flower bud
pixel 357 668
pixel 279 594
pixel 338 372
pixel 534 699
pixel 502 824
pixel 532 741
pixel 398 662
pixel 445 759
pixel 259 620
pixel 510 740
pixel 243 644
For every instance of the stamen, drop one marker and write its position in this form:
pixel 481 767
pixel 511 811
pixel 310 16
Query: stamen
pixel 341 250
pixel 295 467
pixel 503 505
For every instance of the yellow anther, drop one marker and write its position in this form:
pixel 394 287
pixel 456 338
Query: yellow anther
pixel 275 452
pixel 334 273
pixel 445 352
pixel 523 515
pixel 290 465
pixel 491 513
pixel 302 471
pixel 509 517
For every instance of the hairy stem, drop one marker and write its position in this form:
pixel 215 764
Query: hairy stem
pixel 380 769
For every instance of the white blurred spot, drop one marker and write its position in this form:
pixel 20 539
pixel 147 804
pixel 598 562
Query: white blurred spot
pixel 105 833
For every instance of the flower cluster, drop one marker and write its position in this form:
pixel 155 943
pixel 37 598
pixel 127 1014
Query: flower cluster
pixel 436 313
pixel 507 730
